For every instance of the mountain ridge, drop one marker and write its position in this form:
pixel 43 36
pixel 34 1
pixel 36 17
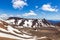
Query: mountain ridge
pixel 26 28
pixel 32 21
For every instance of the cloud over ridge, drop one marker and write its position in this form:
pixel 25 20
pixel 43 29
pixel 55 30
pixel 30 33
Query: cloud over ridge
pixel 31 13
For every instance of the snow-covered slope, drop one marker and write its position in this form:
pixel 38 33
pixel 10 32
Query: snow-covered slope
pixel 11 27
pixel 32 23
pixel 6 30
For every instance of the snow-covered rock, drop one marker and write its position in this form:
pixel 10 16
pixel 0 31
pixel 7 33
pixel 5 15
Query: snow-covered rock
pixel 32 23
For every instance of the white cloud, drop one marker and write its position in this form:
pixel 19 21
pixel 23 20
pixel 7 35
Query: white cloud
pixel 48 7
pixel 18 4
pixel 31 13
pixel 4 16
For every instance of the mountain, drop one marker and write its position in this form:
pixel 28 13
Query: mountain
pixel 9 31
pixel 26 29
pixel 28 22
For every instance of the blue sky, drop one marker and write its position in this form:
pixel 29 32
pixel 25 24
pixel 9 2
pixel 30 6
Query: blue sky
pixel 48 9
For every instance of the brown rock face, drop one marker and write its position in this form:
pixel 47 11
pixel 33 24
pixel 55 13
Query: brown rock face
pixel 3 24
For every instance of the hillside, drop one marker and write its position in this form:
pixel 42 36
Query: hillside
pixel 16 28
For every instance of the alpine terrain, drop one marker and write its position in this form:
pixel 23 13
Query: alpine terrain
pixel 15 28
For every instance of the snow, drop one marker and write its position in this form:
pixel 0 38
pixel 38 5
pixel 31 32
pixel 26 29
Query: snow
pixel 3 30
pixel 18 38
pixel 8 36
pixel 11 30
pixel 14 37
pixel 10 21
pixel 19 21
pixel 29 22
pixel 43 37
pixel 52 26
pixel 19 27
